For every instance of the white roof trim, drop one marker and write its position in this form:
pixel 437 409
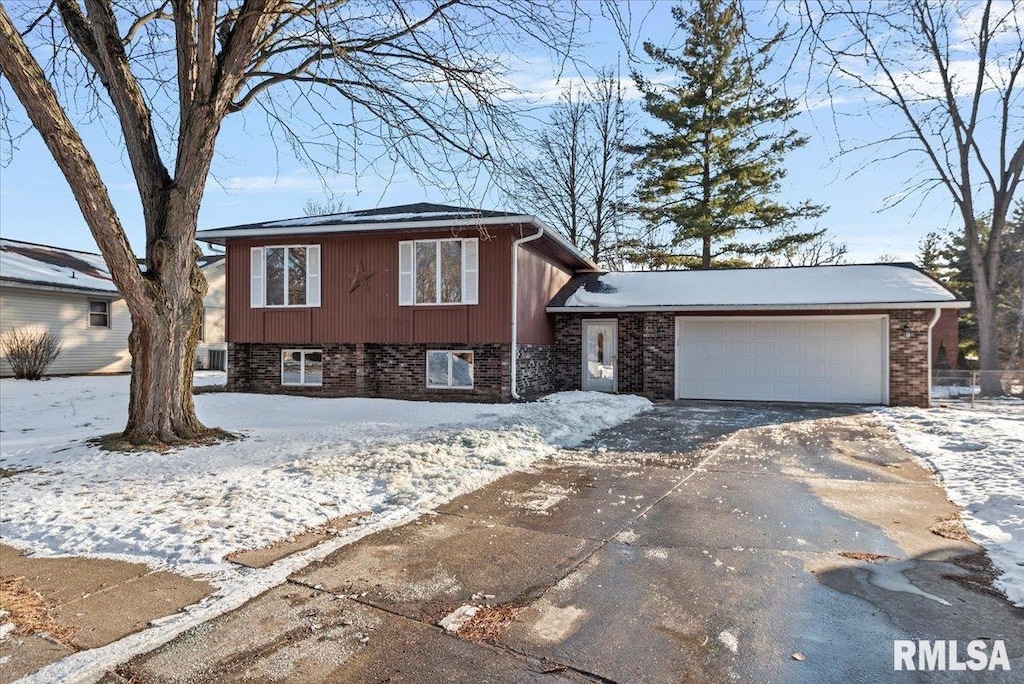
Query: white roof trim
pixel 739 308
pixel 84 291
pixel 218 235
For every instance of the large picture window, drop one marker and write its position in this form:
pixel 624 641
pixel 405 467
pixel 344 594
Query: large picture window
pixel 435 272
pixel 302 367
pixel 450 369
pixel 285 276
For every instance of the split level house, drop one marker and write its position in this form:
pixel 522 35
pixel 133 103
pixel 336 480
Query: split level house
pixel 70 293
pixel 430 301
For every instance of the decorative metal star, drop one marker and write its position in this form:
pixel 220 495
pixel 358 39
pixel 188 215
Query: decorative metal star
pixel 360 277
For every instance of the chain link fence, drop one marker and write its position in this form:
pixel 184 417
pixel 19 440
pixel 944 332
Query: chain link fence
pixel 969 387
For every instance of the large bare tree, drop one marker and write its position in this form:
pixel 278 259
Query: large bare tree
pixel 949 72
pixel 576 172
pixel 418 83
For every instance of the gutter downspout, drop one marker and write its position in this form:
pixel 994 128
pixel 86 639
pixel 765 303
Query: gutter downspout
pixel 515 307
pixel 931 324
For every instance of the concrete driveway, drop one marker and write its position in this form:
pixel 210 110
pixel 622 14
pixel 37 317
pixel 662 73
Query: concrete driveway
pixel 699 542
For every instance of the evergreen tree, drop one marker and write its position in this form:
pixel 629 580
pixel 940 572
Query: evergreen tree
pixel 708 178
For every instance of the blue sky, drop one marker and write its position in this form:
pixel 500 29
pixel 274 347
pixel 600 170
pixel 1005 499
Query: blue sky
pixel 254 181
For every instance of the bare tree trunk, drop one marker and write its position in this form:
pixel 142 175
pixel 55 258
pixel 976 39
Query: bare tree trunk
pixel 1017 350
pixel 163 347
pixel 165 303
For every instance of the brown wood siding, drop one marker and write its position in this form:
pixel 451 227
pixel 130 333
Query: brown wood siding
pixel 539 279
pixel 371 314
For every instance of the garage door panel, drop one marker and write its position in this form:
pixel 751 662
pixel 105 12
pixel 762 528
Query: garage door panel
pixel 783 359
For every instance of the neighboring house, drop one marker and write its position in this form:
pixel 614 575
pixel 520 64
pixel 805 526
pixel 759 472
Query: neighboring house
pixel 437 302
pixel 212 350
pixel 70 293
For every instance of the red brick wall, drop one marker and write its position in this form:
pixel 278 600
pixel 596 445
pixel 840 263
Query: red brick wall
pixel 908 357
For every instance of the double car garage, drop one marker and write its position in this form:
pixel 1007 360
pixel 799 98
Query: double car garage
pixel 859 334
pixel 840 359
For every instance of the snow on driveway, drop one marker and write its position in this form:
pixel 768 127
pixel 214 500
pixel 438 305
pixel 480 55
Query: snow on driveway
pixel 979 456
pixel 302 462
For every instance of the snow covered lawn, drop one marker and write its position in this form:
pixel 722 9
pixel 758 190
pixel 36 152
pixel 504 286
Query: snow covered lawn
pixel 978 454
pixel 302 462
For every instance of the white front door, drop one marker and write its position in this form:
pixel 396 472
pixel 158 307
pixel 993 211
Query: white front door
pixel 600 360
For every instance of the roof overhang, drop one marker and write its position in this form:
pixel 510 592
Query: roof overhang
pixel 741 308
pixel 29 285
pixel 220 236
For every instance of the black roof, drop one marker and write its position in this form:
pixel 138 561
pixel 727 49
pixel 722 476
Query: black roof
pixel 420 211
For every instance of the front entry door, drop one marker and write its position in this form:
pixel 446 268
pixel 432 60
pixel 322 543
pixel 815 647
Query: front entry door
pixel 600 356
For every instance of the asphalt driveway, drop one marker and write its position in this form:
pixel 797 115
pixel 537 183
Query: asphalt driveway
pixel 699 542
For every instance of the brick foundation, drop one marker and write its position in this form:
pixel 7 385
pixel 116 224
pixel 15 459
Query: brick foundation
pixel 395 371
pixel 535 370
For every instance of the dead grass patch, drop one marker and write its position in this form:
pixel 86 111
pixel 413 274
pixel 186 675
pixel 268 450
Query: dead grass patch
pixel 489 623
pixel 981 574
pixel 950 527
pixel 117 442
pixel 31 613
pixel 865 556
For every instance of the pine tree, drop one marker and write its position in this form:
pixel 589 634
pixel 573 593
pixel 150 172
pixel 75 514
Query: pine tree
pixel 709 177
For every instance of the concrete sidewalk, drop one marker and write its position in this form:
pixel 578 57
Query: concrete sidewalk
pixel 94 602
pixel 805 530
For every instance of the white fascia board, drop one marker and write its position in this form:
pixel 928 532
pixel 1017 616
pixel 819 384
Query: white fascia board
pixel 92 292
pixel 219 235
pixel 739 308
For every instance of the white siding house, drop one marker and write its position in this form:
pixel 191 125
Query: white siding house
pixel 71 294
pixel 212 349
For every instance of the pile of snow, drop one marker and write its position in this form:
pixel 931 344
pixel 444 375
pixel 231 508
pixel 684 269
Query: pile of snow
pixel 979 456
pixel 302 461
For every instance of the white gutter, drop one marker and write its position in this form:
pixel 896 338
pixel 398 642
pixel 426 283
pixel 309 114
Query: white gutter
pixel 515 304
pixel 931 324
pixel 669 308
pixel 70 289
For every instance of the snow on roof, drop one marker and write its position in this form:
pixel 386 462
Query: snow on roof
pixel 813 286
pixel 31 264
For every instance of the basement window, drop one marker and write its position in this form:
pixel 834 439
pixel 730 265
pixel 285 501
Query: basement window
pixel 450 369
pixel 302 367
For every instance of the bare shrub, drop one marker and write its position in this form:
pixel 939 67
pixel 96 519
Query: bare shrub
pixel 30 351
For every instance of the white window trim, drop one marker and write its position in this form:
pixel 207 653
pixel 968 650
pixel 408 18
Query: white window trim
pixel 89 312
pixel 437 271
pixel 309 278
pixel 451 355
pixel 302 373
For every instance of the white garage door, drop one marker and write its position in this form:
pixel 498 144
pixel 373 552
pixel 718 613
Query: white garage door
pixel 815 359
